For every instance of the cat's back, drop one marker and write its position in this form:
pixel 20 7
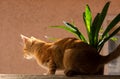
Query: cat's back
pixel 70 42
pixel 65 40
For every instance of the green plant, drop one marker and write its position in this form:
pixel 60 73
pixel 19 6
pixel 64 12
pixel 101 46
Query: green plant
pixel 93 27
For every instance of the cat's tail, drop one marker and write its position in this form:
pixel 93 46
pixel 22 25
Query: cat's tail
pixel 113 55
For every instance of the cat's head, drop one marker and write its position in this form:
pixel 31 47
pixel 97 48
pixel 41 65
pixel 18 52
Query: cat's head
pixel 29 45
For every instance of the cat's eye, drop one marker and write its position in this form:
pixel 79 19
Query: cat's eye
pixel 47 61
pixel 24 49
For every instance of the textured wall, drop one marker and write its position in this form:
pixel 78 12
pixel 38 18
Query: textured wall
pixel 32 18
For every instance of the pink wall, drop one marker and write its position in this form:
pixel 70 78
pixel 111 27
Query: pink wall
pixel 32 18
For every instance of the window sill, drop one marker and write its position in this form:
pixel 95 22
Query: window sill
pixel 21 76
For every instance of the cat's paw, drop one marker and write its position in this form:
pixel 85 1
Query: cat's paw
pixel 49 73
pixel 69 73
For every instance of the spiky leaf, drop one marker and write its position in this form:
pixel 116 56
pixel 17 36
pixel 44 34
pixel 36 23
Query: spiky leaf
pixel 71 28
pixel 87 16
pixel 111 25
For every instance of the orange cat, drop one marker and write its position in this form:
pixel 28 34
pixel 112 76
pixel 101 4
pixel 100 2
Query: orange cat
pixel 70 54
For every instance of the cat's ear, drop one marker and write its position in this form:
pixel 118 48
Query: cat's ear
pixel 25 38
pixel 33 38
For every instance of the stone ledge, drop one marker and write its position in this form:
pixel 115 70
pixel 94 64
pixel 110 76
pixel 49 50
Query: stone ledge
pixel 21 76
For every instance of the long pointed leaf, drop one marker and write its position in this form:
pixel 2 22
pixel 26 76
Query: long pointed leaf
pixel 98 21
pixel 104 12
pixel 111 35
pixel 70 28
pixel 95 29
pixel 111 25
pixel 87 16
pixel 65 28
pixel 77 32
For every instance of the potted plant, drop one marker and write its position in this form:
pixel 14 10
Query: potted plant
pixel 93 27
